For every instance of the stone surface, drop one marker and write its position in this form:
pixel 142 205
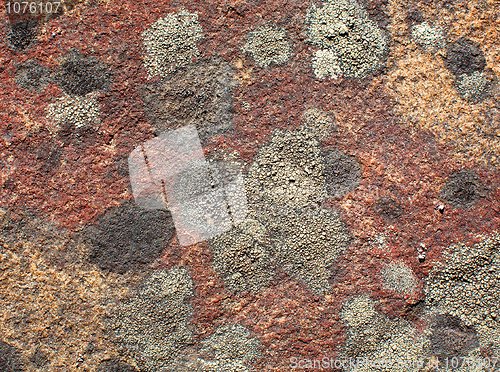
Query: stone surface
pixel 367 135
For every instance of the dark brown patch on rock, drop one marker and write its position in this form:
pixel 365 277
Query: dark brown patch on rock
pixel 342 173
pixel 129 237
pixel 462 189
pixel 199 94
pixel 80 75
pixel 465 56
pixel 21 34
pixel 451 339
pixel 388 208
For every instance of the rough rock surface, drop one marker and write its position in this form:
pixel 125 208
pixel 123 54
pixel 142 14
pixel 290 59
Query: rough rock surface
pixel 367 135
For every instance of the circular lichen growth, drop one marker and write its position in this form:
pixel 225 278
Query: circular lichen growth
pixel 344 28
pixel 342 173
pixel 474 87
pixel 465 56
pixel 32 76
pixel 463 189
pixel 171 42
pixel 428 36
pixel 80 75
pixel 268 44
pixel 400 278
pixel 77 111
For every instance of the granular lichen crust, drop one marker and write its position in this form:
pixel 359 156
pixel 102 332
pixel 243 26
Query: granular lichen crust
pixel 32 76
pixel 325 64
pixel 243 261
pixel 77 111
pixel 198 94
pixel 285 185
pixel 474 87
pixel 399 277
pixel 376 343
pixel 318 122
pixel 344 27
pixel 230 349
pixel 153 325
pixel 466 285
pixel 428 36
pixel 232 341
pixel 171 42
pixel 288 170
pixel 267 45
pixel 305 241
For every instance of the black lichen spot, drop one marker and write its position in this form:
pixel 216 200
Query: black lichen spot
pixel 465 56
pixel 22 33
pixel 39 358
pixel 10 358
pixel 32 76
pixel 451 339
pixel 388 208
pixel 199 94
pixel 115 365
pixel 80 75
pixel 462 189
pixel 414 17
pixel 342 173
pixel 81 138
pixel 129 237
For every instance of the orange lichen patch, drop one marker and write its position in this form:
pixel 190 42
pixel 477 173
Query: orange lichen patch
pixel 58 311
pixel 424 90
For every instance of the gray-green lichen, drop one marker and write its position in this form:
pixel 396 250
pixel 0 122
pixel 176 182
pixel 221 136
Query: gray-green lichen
pixel 242 258
pixel 171 42
pixel 344 28
pixel 230 349
pixel 473 87
pixel 318 123
pixel 153 325
pixel 268 44
pixel 466 284
pixel 285 186
pixel 400 278
pixel 373 338
pixel 428 36
pixel 288 170
pixel 78 111
pixel 306 242
pixel 325 64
